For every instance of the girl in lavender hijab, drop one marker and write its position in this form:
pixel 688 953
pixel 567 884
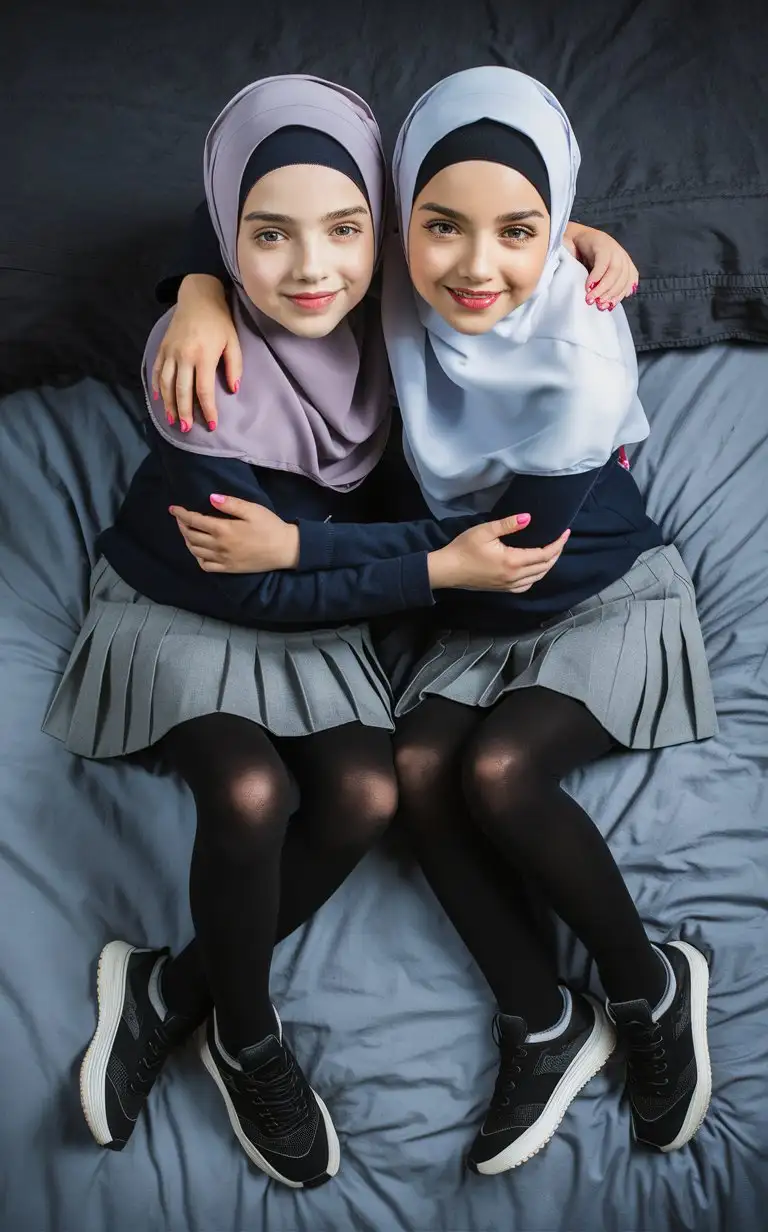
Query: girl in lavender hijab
pixel 262 691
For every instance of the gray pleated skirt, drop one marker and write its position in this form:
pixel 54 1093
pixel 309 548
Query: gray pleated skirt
pixel 138 669
pixel 633 655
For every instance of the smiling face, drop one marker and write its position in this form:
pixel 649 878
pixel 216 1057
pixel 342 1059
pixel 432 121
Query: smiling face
pixel 477 243
pixel 306 248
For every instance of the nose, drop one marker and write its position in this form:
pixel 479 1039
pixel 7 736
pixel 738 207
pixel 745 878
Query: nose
pixel 309 266
pixel 476 265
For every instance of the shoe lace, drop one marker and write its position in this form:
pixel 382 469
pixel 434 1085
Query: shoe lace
pixel 646 1055
pixel 158 1046
pixel 280 1094
pixel 510 1068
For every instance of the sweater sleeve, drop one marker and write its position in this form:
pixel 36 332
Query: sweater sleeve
pixel 372 588
pixel 552 501
pixel 198 253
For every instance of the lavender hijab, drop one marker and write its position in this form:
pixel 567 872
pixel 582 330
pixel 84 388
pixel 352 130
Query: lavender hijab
pixel 314 406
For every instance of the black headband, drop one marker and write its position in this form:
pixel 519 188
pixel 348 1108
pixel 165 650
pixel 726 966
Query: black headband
pixel 490 142
pixel 289 147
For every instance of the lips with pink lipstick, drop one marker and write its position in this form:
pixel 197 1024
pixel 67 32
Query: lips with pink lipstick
pixel 313 301
pixel 476 301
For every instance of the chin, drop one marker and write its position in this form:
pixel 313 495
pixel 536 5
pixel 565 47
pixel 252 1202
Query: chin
pixel 471 327
pixel 311 327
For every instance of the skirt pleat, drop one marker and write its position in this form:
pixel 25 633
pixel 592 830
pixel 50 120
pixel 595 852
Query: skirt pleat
pixel 139 669
pixel 633 655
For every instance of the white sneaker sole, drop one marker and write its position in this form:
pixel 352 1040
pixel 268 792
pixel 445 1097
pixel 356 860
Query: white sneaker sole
pixel 702 1094
pixel 110 994
pixel 334 1150
pixel 589 1062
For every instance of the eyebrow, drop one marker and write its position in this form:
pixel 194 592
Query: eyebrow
pixel 334 216
pixel 515 216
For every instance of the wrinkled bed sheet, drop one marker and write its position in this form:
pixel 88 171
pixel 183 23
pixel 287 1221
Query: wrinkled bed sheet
pixel 385 1008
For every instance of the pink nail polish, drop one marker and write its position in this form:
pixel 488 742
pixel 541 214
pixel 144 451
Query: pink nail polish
pixel 212 425
pixel 635 285
pixel 591 286
pixel 236 387
pixel 155 395
pixel 523 519
pixel 590 299
pixel 611 307
pixel 217 498
pixel 184 426
pixel 169 417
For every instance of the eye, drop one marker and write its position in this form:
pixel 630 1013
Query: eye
pixel 518 235
pixel 440 228
pixel 345 230
pixel 269 238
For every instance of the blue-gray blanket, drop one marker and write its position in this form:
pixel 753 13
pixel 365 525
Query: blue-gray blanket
pixel 385 1008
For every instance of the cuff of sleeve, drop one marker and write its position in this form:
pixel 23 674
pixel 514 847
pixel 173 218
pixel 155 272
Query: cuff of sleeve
pixel 315 545
pixel 414 577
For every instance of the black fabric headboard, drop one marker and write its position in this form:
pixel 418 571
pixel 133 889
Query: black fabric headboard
pixel 106 106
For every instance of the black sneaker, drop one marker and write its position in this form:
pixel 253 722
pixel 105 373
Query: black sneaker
pixel 668 1075
pixel 281 1124
pixel 132 1040
pixel 536 1083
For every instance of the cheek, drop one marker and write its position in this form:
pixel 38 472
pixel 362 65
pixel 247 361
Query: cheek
pixel 428 264
pixel 260 272
pixel 528 266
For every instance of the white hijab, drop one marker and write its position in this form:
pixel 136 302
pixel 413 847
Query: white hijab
pixel 551 389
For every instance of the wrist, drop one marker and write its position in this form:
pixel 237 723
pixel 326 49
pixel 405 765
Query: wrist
pixel 441 569
pixel 201 286
pixel 291 547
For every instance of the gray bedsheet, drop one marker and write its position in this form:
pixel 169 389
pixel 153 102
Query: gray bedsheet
pixel 386 1009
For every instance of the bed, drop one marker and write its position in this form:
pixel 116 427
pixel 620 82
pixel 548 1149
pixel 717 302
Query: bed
pixel 105 110
pixel 382 1002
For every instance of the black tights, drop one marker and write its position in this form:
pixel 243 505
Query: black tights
pixel 255 877
pixel 475 784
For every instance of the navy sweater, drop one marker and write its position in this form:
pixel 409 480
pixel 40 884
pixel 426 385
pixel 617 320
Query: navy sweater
pixel 148 551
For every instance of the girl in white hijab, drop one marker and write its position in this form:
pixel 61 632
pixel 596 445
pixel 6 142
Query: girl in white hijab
pixel 514 394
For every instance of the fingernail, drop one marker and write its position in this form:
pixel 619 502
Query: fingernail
pixel 236 387
pixel 170 509
pixel 155 395
pixel 217 498
pixel 612 306
pixel 523 519
pixel 211 425
pixel 590 299
pixel 184 426
pixel 591 286
pixel 635 285
pixel 169 417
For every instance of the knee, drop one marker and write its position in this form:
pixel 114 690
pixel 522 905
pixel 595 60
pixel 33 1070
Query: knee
pixel 251 804
pixel 420 773
pixel 359 808
pixel 498 778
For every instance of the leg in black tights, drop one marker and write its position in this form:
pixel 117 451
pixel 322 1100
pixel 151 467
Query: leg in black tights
pixel 253 894
pixel 512 769
pixel 243 796
pixel 502 925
